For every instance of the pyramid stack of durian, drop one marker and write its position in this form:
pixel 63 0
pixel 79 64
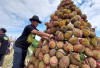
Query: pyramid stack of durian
pixel 75 44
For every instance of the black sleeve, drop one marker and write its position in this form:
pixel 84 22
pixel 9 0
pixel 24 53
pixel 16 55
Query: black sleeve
pixel 29 29
pixel 0 40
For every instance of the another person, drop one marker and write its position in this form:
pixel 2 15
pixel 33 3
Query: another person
pixel 4 44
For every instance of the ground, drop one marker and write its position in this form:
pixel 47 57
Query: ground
pixel 8 59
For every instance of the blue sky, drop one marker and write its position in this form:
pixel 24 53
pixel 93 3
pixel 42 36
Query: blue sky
pixel 15 14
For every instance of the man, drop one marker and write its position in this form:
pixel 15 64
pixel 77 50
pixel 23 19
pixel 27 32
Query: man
pixel 4 44
pixel 25 40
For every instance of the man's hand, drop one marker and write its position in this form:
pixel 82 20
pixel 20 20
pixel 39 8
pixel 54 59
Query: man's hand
pixel 51 36
pixel 0 44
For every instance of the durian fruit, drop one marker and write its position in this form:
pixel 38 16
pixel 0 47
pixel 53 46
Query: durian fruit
pixel 52 52
pixel 98 64
pixel 75 59
pixel 71 2
pixel 41 64
pixel 73 66
pixel 93 41
pixel 52 16
pixel 37 63
pixel 92 34
pixel 88 38
pixel 46 59
pixel 67 2
pixel 90 47
pixel 78 11
pixel 60 14
pixel 62 4
pixel 32 60
pixel 59 19
pixel 77 24
pixel 52 44
pixel 96 54
pixel 86 32
pixel 93 29
pixel 73 8
pixel 73 40
pixel 56 12
pixel 48 31
pixel 60 53
pixel 78 17
pixel 92 62
pixel 65 16
pixel 50 25
pixel 45 49
pixel 47 66
pixel 83 16
pixel 59 35
pixel 82 27
pixel 53 61
pixel 88 52
pixel 60 44
pixel 55 23
pixel 74 13
pixel 98 41
pixel 85 66
pixel 83 23
pixel 62 23
pixel 66 11
pixel 67 7
pixel 64 28
pixel 84 42
pixel 46 23
pixel 53 30
pixel 30 65
pixel 40 56
pixel 68 47
pixel 70 26
pixel 97 47
pixel 55 18
pixel 73 20
pixel 77 33
pixel 57 28
pixel 37 52
pixel 88 25
pixel 79 48
pixel 62 8
pixel 68 35
pixel 64 62
pixel 67 21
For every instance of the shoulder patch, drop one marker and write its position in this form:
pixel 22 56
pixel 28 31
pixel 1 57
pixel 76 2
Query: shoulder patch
pixel 5 38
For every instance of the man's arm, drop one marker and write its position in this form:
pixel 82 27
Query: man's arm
pixel 41 34
pixel 0 44
pixel 45 38
pixel 0 41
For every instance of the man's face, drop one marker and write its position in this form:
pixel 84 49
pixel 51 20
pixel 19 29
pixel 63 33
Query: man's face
pixel 35 23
